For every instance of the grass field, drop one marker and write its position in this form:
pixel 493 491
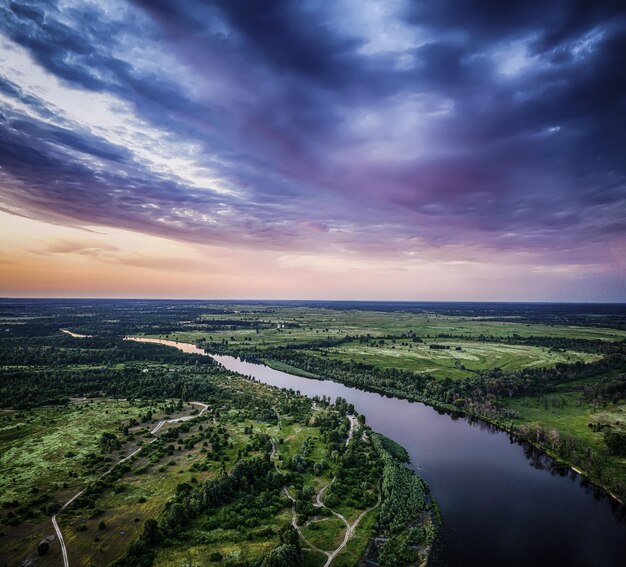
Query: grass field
pixel 313 324
pixel 45 456
pixel 460 359
pixel 465 356
pixel 325 533
pixel 39 448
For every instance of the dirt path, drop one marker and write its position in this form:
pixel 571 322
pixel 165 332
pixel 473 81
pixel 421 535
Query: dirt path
pixel 55 524
pixel 318 496
pixel 179 419
pixel 354 425
pixel 75 335
pixel 330 556
pixel 352 527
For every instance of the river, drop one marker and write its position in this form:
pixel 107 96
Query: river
pixel 504 504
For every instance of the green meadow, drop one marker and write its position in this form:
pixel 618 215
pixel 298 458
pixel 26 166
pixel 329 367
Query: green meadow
pixel 461 358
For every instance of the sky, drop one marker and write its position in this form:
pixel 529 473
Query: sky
pixel 354 149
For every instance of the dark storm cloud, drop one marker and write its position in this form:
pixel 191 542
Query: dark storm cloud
pixel 279 32
pixel 551 23
pixel 504 121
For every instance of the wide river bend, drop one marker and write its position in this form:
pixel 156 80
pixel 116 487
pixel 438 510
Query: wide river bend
pixel 504 504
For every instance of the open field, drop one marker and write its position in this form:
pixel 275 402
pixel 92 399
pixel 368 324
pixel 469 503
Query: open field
pixel 459 359
pixel 280 326
pixel 41 450
pixel 386 340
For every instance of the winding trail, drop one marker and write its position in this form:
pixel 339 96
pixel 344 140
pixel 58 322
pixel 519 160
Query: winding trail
pixel 75 335
pixel 350 528
pixel 294 523
pixel 55 524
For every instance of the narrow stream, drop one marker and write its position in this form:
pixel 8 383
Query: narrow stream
pixel 504 504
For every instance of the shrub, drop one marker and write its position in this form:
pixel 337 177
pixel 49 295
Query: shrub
pixel 43 548
pixel 616 442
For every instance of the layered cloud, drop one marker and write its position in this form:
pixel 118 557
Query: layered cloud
pixel 361 127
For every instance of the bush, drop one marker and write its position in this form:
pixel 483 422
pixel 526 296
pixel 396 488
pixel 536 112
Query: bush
pixel 43 548
pixel 284 555
pixel 615 442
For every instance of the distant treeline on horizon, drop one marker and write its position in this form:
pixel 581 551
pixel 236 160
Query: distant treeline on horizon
pixel 467 308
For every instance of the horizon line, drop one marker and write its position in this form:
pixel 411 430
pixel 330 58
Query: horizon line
pixel 253 300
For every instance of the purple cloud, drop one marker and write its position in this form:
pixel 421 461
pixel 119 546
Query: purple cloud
pixel 276 124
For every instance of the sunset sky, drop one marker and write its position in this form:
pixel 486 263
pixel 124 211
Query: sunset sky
pixel 354 149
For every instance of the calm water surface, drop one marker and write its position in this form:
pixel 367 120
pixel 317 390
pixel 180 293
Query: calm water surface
pixel 503 503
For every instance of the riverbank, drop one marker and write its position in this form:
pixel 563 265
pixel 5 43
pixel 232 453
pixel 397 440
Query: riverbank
pixel 554 456
pixel 455 411
pixel 502 425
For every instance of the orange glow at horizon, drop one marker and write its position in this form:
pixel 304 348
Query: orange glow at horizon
pixel 39 259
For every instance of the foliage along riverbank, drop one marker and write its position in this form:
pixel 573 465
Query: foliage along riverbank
pixel 481 397
pixel 409 518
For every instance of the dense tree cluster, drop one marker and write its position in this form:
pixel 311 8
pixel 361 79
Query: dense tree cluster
pixel 405 493
pixel 606 390
pixel 23 388
pixel 616 442
pixel 406 501
pixel 361 468
pixel 63 350
pixel 288 553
